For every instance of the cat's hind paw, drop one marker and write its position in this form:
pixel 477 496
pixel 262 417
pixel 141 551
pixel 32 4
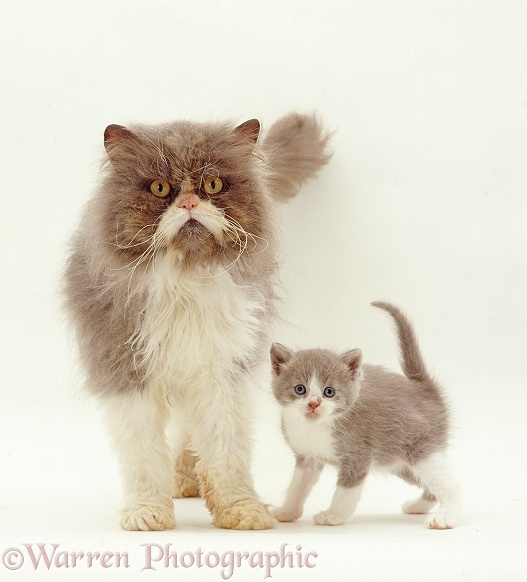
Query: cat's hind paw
pixel 148 516
pixel 185 486
pixel 328 518
pixel 285 515
pixel 441 521
pixel 245 515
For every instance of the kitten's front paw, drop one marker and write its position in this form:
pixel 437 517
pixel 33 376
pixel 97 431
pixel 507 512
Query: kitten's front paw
pixel 440 521
pixel 248 514
pixel 185 486
pixel 148 516
pixel 328 518
pixel 285 515
pixel 418 506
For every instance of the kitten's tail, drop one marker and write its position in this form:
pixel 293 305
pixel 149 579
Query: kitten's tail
pixel 410 356
pixel 295 147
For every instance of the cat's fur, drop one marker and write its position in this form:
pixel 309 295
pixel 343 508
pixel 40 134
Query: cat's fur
pixel 171 299
pixel 375 419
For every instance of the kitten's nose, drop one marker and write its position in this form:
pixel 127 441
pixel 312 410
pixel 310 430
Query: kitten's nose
pixel 187 200
pixel 313 404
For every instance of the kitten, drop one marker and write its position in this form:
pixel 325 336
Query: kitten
pixel 170 286
pixel 359 418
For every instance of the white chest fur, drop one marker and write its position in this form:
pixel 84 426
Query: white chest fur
pixel 195 323
pixel 308 437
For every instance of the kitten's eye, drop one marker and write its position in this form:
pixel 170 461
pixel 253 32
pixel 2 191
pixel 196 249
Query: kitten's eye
pixel 300 389
pixel 160 188
pixel 213 185
pixel 329 392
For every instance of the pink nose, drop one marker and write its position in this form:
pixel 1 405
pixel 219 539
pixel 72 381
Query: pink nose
pixel 313 405
pixel 187 201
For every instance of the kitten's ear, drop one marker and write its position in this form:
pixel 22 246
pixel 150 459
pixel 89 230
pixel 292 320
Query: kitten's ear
pixel 280 355
pixel 115 134
pixel 249 130
pixel 353 360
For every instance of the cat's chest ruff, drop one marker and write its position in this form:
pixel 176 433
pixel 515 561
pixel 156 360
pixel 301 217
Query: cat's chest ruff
pixel 195 321
pixel 309 438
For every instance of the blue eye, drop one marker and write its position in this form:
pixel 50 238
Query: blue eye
pixel 300 389
pixel 329 392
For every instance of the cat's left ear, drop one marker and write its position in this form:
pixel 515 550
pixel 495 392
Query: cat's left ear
pixel 353 360
pixel 250 130
pixel 280 355
pixel 114 135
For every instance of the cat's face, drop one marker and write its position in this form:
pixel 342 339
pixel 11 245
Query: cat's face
pixel 195 190
pixel 315 384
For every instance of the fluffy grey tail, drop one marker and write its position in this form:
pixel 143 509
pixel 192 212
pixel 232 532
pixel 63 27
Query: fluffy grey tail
pixel 295 147
pixel 410 355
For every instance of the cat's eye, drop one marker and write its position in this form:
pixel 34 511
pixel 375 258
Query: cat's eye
pixel 160 188
pixel 329 392
pixel 300 389
pixel 213 185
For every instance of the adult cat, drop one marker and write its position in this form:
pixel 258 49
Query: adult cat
pixel 170 288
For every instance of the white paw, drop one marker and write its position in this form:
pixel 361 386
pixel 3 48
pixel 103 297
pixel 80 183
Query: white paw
pixel 328 518
pixel 148 516
pixel 285 515
pixel 441 521
pixel 418 506
pixel 185 486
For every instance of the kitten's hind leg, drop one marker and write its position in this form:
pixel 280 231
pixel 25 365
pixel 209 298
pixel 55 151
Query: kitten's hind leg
pixel 434 475
pixel 424 503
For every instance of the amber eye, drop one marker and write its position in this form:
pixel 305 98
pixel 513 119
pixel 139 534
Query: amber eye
pixel 213 186
pixel 160 188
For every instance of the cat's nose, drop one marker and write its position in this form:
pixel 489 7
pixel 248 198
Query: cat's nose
pixel 187 200
pixel 313 404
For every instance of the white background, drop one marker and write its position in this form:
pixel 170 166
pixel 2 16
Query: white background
pixel 423 204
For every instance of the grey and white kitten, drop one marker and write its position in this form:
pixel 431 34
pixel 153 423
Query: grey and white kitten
pixel 170 287
pixel 362 418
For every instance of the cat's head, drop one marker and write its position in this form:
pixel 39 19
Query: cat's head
pixel 194 189
pixel 316 383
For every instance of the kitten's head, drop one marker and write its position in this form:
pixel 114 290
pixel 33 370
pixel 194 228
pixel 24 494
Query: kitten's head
pixel 316 383
pixel 192 189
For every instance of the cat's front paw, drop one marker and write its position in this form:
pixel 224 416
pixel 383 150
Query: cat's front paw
pixel 245 515
pixel 441 521
pixel 185 486
pixel 148 516
pixel 328 518
pixel 285 515
pixel 418 506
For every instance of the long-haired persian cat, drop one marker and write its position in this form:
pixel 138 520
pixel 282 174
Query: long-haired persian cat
pixel 170 287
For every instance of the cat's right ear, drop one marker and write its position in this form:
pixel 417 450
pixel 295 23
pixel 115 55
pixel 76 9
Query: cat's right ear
pixel 115 134
pixel 280 356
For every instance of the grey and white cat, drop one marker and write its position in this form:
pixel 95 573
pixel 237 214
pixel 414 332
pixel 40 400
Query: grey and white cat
pixel 362 418
pixel 170 287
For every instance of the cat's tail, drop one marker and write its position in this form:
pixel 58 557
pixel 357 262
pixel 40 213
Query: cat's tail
pixel 295 148
pixel 410 356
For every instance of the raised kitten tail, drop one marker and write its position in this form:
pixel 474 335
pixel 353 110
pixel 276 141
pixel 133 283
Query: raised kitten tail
pixel 295 147
pixel 410 357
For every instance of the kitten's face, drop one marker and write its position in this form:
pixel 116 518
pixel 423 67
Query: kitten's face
pixel 315 384
pixel 191 189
